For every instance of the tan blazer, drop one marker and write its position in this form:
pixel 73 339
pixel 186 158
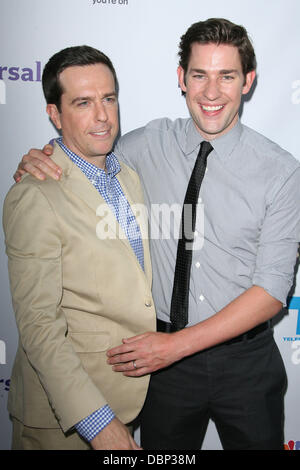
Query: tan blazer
pixel 75 296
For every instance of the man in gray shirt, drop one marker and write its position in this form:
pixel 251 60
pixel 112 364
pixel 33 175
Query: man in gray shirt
pixel 225 364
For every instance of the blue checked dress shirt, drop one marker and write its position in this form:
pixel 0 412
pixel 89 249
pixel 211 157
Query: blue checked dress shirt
pixel 107 184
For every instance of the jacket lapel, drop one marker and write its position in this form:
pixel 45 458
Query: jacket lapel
pixel 74 180
pixel 136 201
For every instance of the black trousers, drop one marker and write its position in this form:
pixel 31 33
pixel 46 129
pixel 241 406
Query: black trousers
pixel 239 386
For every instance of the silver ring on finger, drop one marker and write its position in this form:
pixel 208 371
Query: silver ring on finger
pixel 134 364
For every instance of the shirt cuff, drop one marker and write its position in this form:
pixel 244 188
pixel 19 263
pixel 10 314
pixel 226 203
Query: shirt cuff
pixel 90 426
pixel 275 286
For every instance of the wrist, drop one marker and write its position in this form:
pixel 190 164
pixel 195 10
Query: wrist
pixel 180 344
pixel 92 425
pixel 185 341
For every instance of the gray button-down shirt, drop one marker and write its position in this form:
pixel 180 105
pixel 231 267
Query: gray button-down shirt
pixel 248 218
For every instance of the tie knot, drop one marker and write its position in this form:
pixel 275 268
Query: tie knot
pixel 205 147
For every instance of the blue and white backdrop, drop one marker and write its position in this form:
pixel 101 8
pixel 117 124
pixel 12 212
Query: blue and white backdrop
pixel 141 37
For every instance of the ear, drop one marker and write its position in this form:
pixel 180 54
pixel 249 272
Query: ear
pixel 248 82
pixel 181 78
pixel 54 115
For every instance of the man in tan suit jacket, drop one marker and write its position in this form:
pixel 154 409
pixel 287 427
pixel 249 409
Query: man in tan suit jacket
pixel 78 287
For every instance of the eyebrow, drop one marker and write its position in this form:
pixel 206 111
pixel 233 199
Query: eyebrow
pixel 222 72
pixel 88 98
pixel 226 72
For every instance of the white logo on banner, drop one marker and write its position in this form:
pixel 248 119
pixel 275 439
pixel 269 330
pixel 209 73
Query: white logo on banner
pixel 2 352
pixel 296 93
pixel 296 354
pixel 2 92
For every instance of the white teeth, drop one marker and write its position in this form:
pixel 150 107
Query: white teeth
pixel 100 133
pixel 211 108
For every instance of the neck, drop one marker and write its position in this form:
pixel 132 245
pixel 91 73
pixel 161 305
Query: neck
pixel 99 161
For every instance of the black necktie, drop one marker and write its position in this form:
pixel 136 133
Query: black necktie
pixel 180 295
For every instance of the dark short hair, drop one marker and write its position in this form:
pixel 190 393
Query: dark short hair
pixel 70 57
pixel 218 31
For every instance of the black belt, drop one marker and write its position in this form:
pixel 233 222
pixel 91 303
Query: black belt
pixel 164 327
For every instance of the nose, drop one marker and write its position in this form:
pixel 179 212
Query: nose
pixel 212 91
pixel 101 112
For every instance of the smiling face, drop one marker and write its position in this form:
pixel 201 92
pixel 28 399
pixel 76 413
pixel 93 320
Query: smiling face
pixel 214 84
pixel 89 111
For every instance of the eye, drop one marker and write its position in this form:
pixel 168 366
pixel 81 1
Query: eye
pixel 227 78
pixel 82 104
pixel 199 76
pixel 110 99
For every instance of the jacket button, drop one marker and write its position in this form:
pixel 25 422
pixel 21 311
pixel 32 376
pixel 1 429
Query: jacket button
pixel 148 303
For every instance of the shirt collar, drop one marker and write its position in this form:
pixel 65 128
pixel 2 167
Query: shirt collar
pixel 90 170
pixel 223 145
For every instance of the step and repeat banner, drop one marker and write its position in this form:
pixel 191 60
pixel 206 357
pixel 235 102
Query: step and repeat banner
pixel 141 37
